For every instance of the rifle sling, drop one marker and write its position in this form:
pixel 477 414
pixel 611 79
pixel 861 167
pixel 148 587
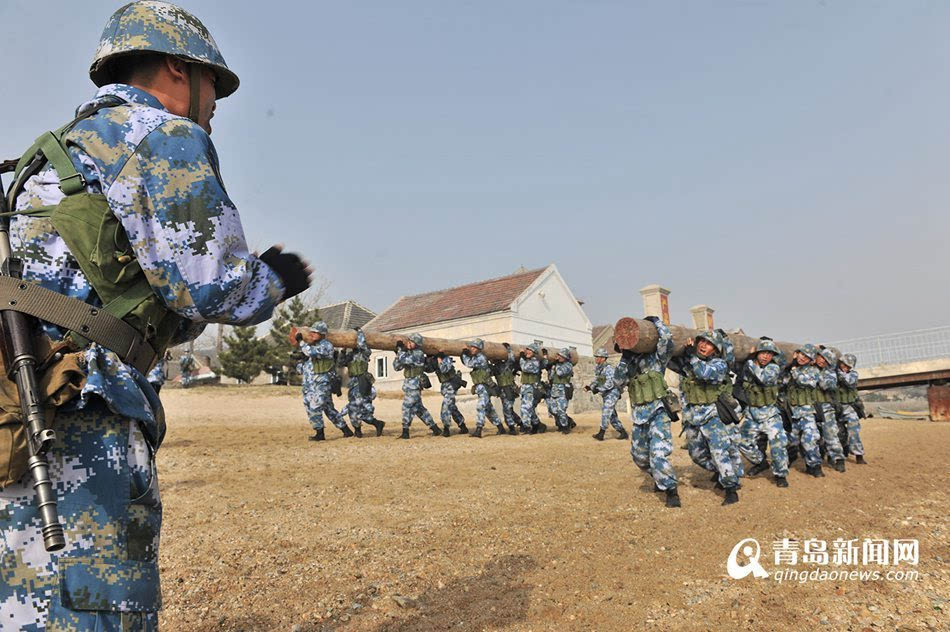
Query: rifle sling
pixel 90 322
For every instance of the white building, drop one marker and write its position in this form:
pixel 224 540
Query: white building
pixel 527 306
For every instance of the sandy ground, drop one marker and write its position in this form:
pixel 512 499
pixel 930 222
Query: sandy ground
pixel 267 531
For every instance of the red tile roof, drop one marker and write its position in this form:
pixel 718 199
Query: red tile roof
pixel 464 301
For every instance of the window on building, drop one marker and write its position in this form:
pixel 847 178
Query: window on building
pixel 382 367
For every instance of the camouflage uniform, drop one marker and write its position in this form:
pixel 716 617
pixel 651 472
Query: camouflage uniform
pixel 849 380
pixel 447 385
pixel 605 386
pixel 561 373
pixel 828 387
pixel 159 175
pixel 651 441
pixel 504 371
pixel 530 377
pixel 412 362
pixel 805 426
pixel 765 419
pixel 359 406
pixel 735 438
pixel 189 369
pixel 483 407
pixel 157 376
pixel 710 373
pixel 319 397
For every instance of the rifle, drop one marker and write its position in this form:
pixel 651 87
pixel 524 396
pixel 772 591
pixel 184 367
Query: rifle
pixel 20 361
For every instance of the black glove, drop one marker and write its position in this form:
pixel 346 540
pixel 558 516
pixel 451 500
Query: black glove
pixel 291 269
pixel 299 336
pixel 440 356
pixel 652 319
pixel 356 329
pixel 506 345
pixel 399 345
pixel 521 355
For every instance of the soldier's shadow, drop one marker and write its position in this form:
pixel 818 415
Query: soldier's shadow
pixel 497 597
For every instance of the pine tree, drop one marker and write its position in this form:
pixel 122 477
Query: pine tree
pixel 245 356
pixel 293 313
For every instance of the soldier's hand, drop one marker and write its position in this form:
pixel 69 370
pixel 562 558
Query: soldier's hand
pixel 689 342
pixel 293 271
pixel 299 336
pixel 506 345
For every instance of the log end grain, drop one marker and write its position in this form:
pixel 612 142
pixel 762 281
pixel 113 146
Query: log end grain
pixel 626 333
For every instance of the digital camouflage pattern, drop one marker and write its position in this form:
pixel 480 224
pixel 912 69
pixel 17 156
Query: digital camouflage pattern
pixel 159 373
pixel 317 389
pixel 605 386
pixel 508 394
pixel 529 414
pixel 412 387
pixel 828 382
pixel 651 440
pixel 710 436
pixel 483 405
pixel 159 175
pixel 450 411
pixel 849 379
pixel 160 27
pixel 805 425
pixel 359 407
pixel 557 401
pixel 765 420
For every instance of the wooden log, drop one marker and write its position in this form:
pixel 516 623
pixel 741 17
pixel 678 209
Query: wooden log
pixel 640 336
pixel 346 339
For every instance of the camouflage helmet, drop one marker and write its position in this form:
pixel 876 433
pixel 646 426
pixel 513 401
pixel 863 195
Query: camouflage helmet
pixel 601 353
pixel 810 351
pixel 830 356
pixel 712 337
pixel 766 345
pixel 320 327
pixel 415 339
pixel 565 353
pixel 155 26
pixel 849 359
pixel 535 348
pixel 478 343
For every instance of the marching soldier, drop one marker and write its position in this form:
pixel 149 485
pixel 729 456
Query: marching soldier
pixel 562 370
pixel 800 393
pixel 504 371
pixel 706 372
pixel 473 358
pixel 652 441
pixel 826 397
pixel 319 370
pixel 529 364
pixel 139 166
pixel 851 408
pixel 450 380
pixel 188 367
pixel 607 387
pixel 411 360
pixel 759 379
pixel 360 390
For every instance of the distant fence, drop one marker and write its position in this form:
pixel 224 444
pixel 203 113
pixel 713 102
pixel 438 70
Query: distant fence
pixel 899 348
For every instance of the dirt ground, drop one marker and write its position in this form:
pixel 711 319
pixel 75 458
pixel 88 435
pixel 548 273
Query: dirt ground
pixel 265 530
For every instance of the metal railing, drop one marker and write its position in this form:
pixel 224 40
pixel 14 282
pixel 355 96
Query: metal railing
pixel 898 348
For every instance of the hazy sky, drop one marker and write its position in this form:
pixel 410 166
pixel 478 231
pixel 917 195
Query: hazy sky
pixel 784 162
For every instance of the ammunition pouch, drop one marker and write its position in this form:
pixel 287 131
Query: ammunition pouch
pixel 481 376
pixel 425 382
pixel 759 396
pixel 530 378
pixel 700 393
pixel 647 387
pixel 60 380
pixel 322 365
pixel 357 367
pixel 800 395
pixel 505 378
pixel 412 371
pixel 824 397
pixel 560 379
pixel 847 395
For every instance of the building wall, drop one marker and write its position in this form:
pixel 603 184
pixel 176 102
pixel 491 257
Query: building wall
pixel 548 311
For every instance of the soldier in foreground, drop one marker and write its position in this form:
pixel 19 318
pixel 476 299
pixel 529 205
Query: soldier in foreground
pixel 504 371
pixel 607 387
pixel 138 162
pixel 705 373
pixel 826 397
pixel 652 440
pixel 801 383
pixel 360 391
pixel 319 376
pixel 848 398
pixel 759 379
pixel 473 358
pixel 450 381
pixel 411 360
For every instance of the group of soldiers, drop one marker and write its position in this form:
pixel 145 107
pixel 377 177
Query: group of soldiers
pixel 731 409
pixel 765 409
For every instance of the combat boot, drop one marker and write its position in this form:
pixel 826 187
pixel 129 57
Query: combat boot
pixel 758 468
pixel 512 430
pixel 358 431
pixel 435 431
pixel 814 470
pixel 732 496
pixel 839 465
pixel 501 429
pixel 463 429
pixel 780 481
pixel 478 433
pixel 622 434
pixel 672 498
pixel 376 423
pixel 346 431
pixel 600 435
pixel 792 454
pixel 318 435
pixel 405 433
pixel 445 431
pixel 859 459
pixel 570 422
pixel 542 428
